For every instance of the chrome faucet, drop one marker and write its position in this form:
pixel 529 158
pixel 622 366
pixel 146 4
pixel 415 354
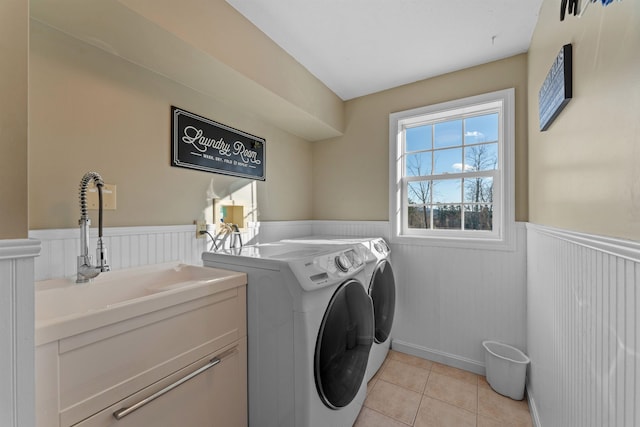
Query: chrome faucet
pixel 86 271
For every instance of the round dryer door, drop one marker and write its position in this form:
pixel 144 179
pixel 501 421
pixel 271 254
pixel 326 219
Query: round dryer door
pixel 343 344
pixel 383 294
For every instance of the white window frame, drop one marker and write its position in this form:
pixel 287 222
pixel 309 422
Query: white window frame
pixel 503 234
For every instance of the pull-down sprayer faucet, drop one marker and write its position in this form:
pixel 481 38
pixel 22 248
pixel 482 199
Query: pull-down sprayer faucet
pixel 86 271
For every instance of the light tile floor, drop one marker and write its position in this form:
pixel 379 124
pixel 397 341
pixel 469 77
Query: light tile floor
pixel 410 391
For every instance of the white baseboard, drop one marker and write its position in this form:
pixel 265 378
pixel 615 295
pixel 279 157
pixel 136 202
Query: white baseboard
pixel 533 408
pixel 439 356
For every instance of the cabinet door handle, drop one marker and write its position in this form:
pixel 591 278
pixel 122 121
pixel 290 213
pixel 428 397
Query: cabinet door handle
pixel 121 413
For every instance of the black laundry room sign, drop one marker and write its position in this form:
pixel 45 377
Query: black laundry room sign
pixel 202 144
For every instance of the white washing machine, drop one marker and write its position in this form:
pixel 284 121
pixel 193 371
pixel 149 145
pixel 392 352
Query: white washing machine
pixel 381 286
pixel 310 329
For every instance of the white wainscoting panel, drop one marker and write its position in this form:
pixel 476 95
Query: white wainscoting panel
pixel 126 247
pixel 129 247
pixel 451 299
pixel 272 231
pixel 138 246
pixel 351 228
pixel 17 394
pixel 583 329
pixel 448 299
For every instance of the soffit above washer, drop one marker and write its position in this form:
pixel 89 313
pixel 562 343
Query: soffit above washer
pixel 359 47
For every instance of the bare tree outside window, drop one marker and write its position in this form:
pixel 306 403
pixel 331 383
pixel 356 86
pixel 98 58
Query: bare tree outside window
pixel 479 190
pixel 420 193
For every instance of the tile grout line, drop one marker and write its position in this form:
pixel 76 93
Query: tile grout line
pixel 424 389
pixel 423 395
pixel 478 401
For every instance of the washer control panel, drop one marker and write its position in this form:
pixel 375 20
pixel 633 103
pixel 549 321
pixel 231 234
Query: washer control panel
pixel 330 268
pixel 381 247
pixel 342 262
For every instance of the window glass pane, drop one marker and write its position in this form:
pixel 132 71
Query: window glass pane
pixel 447 191
pixel 478 190
pixel 478 217
pixel 447 161
pixel 418 164
pixel 447 217
pixel 481 129
pixel 481 157
pixel 418 138
pixel 419 192
pixel 448 134
pixel 419 217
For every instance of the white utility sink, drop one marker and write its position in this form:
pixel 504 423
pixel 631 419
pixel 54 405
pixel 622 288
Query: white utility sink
pixel 64 308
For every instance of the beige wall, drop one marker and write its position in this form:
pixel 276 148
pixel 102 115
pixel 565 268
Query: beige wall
pixel 351 173
pixel 14 31
pixel 92 111
pixel 237 43
pixel 584 170
pixel 208 46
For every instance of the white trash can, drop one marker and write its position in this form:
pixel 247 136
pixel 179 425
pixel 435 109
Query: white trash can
pixel 506 368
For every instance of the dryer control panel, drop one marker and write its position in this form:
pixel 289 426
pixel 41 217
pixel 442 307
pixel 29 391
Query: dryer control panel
pixel 330 268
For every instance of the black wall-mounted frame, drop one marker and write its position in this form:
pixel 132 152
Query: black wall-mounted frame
pixel 557 88
pixel 202 144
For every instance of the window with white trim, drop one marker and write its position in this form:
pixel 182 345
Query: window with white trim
pixel 451 170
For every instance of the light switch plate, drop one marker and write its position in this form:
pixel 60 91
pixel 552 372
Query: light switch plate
pixel 108 197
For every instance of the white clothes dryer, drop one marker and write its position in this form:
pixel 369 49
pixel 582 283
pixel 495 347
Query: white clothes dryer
pixel 381 287
pixel 310 330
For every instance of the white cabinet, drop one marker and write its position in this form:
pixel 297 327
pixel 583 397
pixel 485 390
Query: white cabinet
pixel 81 380
pixel 212 397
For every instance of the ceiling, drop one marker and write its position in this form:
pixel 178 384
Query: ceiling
pixel 358 47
